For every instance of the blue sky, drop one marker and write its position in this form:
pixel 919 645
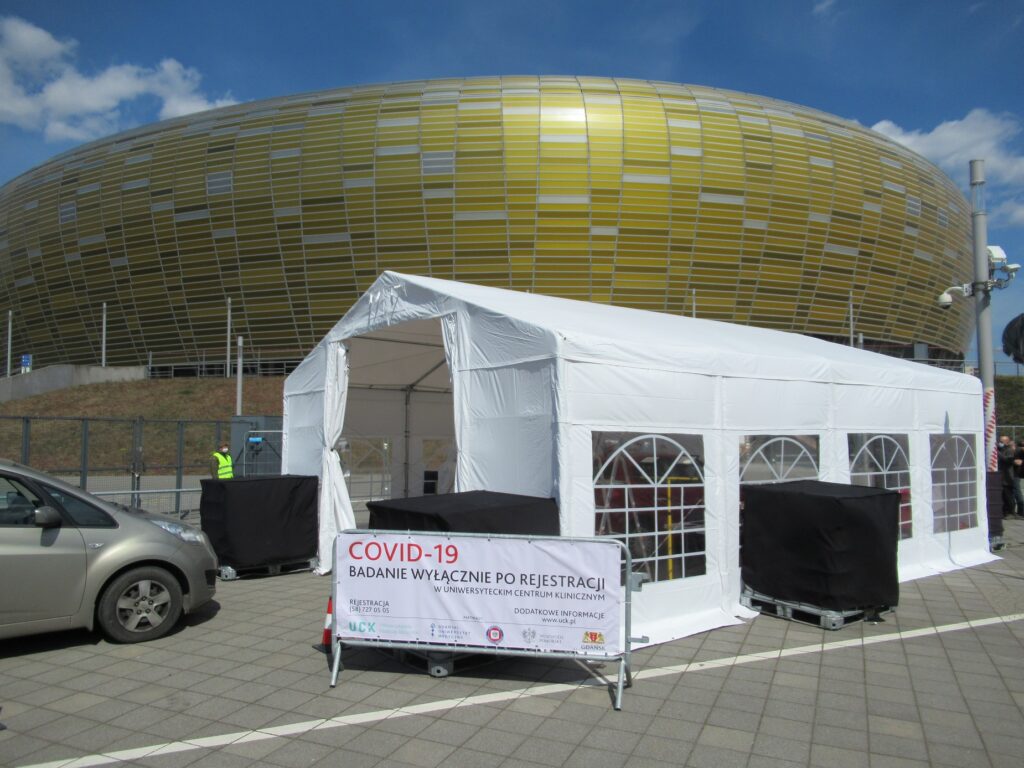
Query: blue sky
pixel 944 77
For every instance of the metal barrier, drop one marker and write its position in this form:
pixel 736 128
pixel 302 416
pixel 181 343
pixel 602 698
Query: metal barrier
pixel 182 503
pixel 261 456
pixel 632 582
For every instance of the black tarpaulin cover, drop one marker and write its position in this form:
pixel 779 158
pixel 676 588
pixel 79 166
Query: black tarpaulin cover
pixel 828 545
pixel 265 521
pixel 468 512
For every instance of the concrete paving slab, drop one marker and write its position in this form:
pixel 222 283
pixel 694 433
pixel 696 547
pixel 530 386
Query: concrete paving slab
pixel 239 684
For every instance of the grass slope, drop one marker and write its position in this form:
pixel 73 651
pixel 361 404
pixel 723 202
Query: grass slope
pixel 200 399
pixel 209 399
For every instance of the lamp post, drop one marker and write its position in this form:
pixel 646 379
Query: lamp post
pixel 988 261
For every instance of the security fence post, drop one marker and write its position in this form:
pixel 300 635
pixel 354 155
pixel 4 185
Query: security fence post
pixel 83 475
pixel 136 466
pixel 181 468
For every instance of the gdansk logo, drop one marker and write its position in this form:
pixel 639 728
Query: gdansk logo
pixel 593 638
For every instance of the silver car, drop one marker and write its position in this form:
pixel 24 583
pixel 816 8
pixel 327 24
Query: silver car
pixel 70 560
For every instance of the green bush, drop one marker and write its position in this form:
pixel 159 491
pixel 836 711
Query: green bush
pixel 1010 400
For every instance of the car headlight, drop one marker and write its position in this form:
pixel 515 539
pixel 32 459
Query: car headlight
pixel 182 531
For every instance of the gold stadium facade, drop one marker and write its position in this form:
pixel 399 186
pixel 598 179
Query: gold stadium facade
pixel 646 194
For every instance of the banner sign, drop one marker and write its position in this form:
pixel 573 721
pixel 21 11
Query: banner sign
pixel 537 594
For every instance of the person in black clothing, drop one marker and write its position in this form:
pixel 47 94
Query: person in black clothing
pixel 1006 474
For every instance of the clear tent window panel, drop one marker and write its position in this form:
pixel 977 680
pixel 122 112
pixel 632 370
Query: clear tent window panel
pixel 883 461
pixel 649 494
pixel 778 458
pixel 954 483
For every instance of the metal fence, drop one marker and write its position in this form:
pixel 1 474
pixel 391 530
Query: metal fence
pixel 157 465
pixel 152 464
pixel 261 454
pixel 1015 431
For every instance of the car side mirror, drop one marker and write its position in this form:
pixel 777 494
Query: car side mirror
pixel 47 517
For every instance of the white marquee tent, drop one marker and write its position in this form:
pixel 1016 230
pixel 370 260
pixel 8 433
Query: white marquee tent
pixel 642 425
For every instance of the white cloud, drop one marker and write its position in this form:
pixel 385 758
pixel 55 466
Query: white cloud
pixel 29 48
pixel 822 7
pixel 178 86
pixel 953 144
pixel 980 134
pixel 42 90
pixel 1009 213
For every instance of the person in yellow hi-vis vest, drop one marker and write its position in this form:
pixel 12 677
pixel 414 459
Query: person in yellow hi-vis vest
pixel 221 466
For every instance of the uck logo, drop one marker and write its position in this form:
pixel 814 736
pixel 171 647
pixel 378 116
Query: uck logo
pixel 495 634
pixel 362 626
pixel 593 638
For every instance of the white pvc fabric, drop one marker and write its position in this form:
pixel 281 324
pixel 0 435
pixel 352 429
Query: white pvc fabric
pixel 531 379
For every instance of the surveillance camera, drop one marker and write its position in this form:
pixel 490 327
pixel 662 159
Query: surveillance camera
pixel 996 255
pixel 1011 268
pixel 945 301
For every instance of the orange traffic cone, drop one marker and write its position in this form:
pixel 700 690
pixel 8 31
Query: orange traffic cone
pixel 325 640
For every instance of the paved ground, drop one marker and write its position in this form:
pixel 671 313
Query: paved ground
pixel 940 683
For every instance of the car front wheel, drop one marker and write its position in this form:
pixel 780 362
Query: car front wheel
pixel 141 604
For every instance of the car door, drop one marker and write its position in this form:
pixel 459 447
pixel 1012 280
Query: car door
pixel 42 570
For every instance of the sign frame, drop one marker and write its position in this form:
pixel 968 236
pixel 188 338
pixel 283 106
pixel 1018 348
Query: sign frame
pixel 624 674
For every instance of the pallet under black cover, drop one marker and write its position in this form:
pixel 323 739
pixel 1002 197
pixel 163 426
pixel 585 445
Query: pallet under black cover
pixel 260 523
pixel 826 545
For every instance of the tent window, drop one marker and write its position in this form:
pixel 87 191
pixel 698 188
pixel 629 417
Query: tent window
pixel 881 461
pixel 649 494
pixel 954 472
pixel 769 459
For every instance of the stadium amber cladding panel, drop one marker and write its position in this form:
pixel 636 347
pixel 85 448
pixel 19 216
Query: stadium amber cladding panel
pixel 646 194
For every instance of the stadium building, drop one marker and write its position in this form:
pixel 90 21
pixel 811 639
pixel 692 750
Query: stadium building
pixel 667 197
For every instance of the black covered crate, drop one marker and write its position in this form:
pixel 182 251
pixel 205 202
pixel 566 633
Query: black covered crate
pixel 260 522
pixel 468 512
pixel 823 544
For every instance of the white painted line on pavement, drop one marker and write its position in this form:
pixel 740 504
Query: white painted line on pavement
pixel 297 729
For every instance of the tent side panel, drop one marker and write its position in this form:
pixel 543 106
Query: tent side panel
pixel 303 436
pixel 943 413
pixel 507 429
pixel 771 406
pixel 620 404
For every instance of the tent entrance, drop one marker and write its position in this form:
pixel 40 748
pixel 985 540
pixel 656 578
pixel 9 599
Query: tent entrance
pixel 398 436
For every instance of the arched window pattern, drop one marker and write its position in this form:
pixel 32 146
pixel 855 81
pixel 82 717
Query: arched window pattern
pixel 649 494
pixel 882 461
pixel 770 459
pixel 954 483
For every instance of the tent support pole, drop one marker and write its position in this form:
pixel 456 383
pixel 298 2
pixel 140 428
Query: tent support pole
pixel 408 432
pixel 408 442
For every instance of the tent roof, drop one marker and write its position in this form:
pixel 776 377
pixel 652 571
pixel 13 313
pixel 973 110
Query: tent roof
pixel 505 326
